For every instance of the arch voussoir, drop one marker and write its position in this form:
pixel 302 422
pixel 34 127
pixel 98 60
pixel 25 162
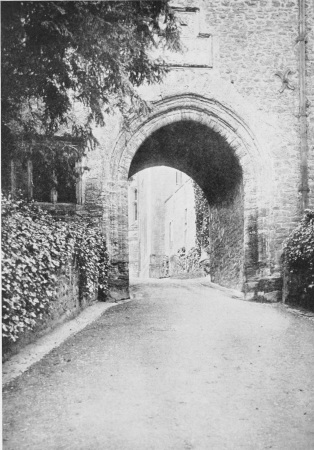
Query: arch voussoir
pixel 254 160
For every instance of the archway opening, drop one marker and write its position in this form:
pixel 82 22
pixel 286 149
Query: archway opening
pixel 196 150
pixel 206 157
pixel 162 225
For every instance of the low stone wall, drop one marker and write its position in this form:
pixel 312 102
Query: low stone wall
pixel 158 266
pixel 266 289
pixel 67 304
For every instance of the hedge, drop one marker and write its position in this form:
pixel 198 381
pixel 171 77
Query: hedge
pixel 299 262
pixel 35 245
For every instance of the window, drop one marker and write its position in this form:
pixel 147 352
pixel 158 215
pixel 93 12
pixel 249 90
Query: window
pixel 20 178
pixel 53 173
pixel 135 210
pixel 57 170
pixel 58 184
pixel 178 177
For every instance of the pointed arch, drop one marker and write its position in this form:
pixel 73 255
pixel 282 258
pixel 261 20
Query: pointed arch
pixel 255 162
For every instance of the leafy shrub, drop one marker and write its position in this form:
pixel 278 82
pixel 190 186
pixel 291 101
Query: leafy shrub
pixel 299 261
pixel 202 218
pixel 35 246
pixel 189 260
pixel 92 258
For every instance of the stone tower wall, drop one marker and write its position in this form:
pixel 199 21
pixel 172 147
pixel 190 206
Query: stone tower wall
pixel 235 91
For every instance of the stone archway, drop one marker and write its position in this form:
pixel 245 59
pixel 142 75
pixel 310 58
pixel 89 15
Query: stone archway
pixel 255 163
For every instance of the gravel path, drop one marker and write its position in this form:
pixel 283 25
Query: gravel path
pixel 182 366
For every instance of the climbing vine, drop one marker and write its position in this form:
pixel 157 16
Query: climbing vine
pixel 92 258
pixel 189 260
pixel 299 261
pixel 35 246
pixel 202 218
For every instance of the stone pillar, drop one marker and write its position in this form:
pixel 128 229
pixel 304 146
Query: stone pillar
pixel 116 224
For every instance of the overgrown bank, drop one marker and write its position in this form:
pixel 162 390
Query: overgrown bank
pixel 298 263
pixel 38 249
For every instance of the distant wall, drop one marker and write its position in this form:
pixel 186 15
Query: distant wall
pixel 133 250
pixel 164 196
pixel 180 212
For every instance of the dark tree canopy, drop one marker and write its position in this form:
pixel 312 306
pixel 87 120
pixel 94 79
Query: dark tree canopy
pixel 94 52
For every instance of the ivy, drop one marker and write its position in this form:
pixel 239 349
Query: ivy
pixel 299 259
pixel 93 54
pixel 92 258
pixel 202 218
pixel 189 261
pixel 35 247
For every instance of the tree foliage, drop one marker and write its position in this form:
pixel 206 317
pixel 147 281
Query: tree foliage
pixel 55 54
pixel 93 52
pixel 188 262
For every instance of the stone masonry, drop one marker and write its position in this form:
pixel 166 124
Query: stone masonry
pixel 243 88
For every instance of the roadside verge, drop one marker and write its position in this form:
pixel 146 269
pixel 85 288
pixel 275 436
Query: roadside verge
pixel 34 352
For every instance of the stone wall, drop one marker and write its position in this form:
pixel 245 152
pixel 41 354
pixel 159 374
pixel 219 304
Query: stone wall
pixel 180 212
pixel 309 50
pixel 133 212
pixel 256 40
pixel 133 251
pixel 238 94
pixel 145 223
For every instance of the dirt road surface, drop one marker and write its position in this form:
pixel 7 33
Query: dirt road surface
pixel 182 366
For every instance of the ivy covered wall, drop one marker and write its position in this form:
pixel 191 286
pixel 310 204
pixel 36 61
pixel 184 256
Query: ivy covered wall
pixel 51 267
pixel 226 236
pixel 220 235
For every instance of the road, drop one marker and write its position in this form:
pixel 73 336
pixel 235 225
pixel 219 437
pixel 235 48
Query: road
pixel 181 366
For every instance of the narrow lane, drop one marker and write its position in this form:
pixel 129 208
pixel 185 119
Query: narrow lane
pixel 182 366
